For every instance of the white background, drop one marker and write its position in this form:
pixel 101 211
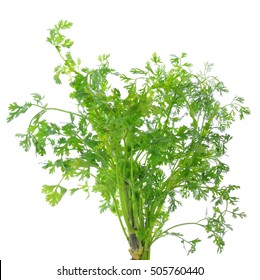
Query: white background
pixel 36 239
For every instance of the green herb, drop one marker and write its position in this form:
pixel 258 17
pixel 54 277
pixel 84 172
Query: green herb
pixel 159 140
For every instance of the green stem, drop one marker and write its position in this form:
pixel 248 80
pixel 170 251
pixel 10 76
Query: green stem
pixel 122 194
pixel 65 61
pixel 56 109
pixel 123 200
pixel 146 253
pixel 119 217
pixel 165 232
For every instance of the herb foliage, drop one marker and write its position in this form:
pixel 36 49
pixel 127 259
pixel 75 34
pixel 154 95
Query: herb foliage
pixel 147 151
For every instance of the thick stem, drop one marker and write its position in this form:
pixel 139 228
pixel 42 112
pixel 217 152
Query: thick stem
pixel 146 254
pixel 139 250
pixel 143 254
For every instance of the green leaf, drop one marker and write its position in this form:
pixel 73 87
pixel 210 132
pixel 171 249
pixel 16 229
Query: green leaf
pixel 138 71
pixel 193 245
pixel 103 58
pixel 37 98
pixel 54 193
pixel 49 165
pixel 156 58
pixel 67 43
pixel 16 110
pixel 26 142
pixel 64 24
pixel 56 38
pixel 175 59
pixel 58 71
pixel 70 62
pixel 72 191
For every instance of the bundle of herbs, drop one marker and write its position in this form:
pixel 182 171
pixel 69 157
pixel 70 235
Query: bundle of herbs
pixel 159 143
